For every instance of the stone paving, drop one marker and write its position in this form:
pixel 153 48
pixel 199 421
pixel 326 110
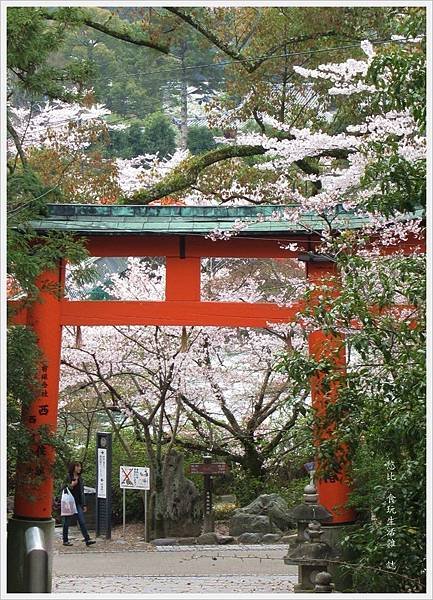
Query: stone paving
pixel 222 584
pixel 128 565
pixel 238 547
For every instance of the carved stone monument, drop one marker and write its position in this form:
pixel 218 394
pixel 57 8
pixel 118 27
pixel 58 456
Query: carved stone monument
pixel 179 506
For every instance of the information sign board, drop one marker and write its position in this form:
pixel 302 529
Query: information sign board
pixel 135 478
pixel 209 468
pixel 102 473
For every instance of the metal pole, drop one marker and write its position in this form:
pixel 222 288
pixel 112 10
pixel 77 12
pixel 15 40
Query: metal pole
pixel 36 564
pixel 124 512
pixel 145 515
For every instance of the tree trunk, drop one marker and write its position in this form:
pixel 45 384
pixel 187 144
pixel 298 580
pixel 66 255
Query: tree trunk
pixel 183 102
pixel 253 462
pixel 282 112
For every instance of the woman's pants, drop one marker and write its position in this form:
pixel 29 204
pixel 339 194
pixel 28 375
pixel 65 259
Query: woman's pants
pixel 81 522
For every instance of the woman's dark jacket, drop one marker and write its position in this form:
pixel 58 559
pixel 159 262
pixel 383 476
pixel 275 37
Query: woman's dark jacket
pixel 77 491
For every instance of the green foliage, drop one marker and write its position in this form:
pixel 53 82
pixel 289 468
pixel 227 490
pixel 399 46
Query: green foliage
pixel 22 359
pixel 24 188
pixel 399 75
pixel 404 86
pixel 293 491
pixel 380 410
pixel 23 355
pixel 28 256
pixel 380 413
pixel 246 488
pixel 200 139
pixel 128 142
pixel 154 135
pixel 402 183
pixel 377 478
pixel 31 43
pixel 159 136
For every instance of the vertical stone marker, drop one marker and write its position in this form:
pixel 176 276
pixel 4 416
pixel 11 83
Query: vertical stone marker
pixel 103 484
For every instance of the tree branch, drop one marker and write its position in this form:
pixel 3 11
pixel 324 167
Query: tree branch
pixel 207 417
pixel 185 175
pixel 187 172
pixel 127 34
pixel 17 143
pixel 252 423
pixel 270 446
pixel 249 64
pixel 217 450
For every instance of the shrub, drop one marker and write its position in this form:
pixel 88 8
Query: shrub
pixel 200 139
pixel 224 510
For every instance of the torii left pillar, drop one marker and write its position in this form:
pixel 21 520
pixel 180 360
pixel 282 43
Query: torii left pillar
pixel 31 529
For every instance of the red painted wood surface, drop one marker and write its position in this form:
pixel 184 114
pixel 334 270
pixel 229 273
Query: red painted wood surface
pixel 333 495
pixel 34 484
pixel 218 314
pixel 236 247
pixel 195 246
pixel 182 279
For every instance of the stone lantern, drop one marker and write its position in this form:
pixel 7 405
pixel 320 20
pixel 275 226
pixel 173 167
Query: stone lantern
pixel 311 556
pixel 308 511
pixel 307 550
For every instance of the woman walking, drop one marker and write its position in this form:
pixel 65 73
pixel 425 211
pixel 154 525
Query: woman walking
pixel 76 487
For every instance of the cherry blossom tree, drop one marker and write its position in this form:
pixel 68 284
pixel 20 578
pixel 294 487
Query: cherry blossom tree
pixel 61 142
pixel 203 389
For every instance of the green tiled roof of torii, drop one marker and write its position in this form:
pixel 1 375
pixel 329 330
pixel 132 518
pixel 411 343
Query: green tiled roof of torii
pixel 200 220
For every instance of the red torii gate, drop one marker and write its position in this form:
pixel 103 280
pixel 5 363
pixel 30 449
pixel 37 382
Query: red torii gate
pixel 115 231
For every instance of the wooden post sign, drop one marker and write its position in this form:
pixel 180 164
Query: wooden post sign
pixel 207 469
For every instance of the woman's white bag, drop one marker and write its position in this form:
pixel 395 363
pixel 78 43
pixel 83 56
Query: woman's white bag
pixel 67 504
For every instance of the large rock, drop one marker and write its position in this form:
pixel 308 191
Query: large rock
pixel 266 514
pixel 250 538
pixel 164 542
pixel 208 538
pixel 225 539
pixel 271 538
pixel 188 541
pixel 178 511
pixel 245 523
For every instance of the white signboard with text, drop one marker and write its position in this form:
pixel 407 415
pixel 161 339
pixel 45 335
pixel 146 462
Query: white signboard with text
pixel 135 478
pixel 102 473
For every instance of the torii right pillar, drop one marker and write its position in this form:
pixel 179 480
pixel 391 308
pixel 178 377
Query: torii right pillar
pixel 333 492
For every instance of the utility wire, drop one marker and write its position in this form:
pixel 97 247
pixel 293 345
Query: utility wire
pixel 300 53
pixel 266 57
